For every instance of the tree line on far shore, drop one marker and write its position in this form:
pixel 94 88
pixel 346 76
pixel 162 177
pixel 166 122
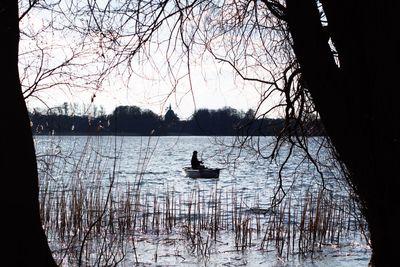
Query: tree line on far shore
pixel 132 120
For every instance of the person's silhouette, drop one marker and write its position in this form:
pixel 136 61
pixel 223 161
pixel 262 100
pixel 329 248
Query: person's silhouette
pixel 196 163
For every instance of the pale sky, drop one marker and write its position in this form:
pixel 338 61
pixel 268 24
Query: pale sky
pixel 211 91
pixel 148 84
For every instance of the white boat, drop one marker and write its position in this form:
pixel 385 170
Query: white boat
pixel 202 172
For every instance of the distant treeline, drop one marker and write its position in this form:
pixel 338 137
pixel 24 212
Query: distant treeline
pixel 132 120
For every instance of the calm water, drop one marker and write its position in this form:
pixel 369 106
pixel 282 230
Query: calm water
pixel 156 164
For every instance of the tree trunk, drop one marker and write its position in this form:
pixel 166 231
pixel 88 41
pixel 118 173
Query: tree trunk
pixel 357 101
pixel 24 241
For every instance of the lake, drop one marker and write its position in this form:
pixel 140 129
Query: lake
pixel 127 197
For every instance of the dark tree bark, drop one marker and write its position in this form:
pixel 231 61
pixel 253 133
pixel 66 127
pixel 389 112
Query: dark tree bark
pixel 357 101
pixel 23 240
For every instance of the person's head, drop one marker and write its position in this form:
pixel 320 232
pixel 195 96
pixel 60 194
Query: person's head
pixel 195 152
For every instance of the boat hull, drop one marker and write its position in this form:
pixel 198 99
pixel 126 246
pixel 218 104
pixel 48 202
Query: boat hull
pixel 201 173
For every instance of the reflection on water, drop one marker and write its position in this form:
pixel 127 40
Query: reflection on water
pixel 147 173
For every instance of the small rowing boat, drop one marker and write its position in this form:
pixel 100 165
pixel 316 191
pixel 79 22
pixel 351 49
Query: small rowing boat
pixel 202 172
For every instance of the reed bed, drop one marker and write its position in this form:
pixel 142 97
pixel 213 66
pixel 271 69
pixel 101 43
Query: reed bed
pixel 91 220
pixel 199 219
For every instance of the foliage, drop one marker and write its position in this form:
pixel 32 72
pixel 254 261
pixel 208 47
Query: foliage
pixel 132 120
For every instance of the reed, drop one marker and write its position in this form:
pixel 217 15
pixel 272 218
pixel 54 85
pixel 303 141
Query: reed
pixel 315 221
pixel 95 221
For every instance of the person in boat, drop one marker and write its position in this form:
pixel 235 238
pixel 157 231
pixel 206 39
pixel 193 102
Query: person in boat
pixel 196 163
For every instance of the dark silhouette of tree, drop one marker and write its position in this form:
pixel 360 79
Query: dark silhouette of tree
pixel 201 120
pixel 355 90
pixel 24 241
pixel 225 120
pixel 131 119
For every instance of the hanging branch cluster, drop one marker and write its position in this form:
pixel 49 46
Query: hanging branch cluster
pixel 110 38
